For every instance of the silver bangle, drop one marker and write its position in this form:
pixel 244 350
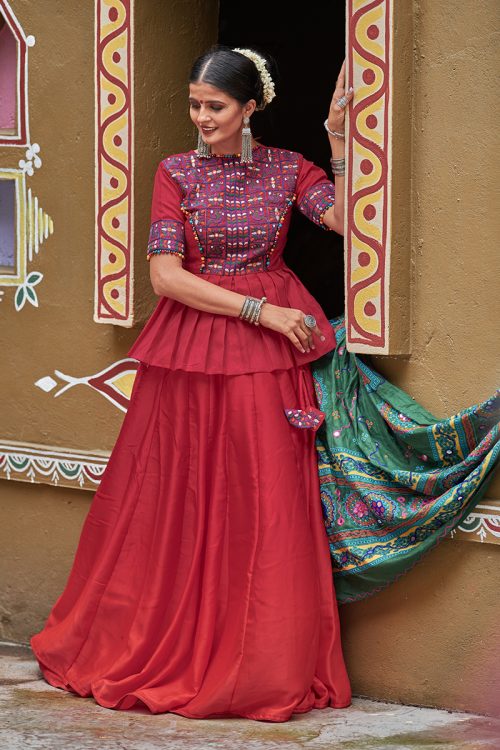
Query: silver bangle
pixel 262 300
pixel 252 311
pixel 251 308
pixel 244 308
pixel 256 317
pixel 255 311
pixel 338 166
pixel 333 132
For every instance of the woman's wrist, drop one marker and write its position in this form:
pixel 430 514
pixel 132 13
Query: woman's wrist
pixel 337 161
pixel 337 146
pixel 251 309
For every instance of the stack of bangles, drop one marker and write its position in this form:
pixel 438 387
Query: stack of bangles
pixel 251 309
pixel 338 166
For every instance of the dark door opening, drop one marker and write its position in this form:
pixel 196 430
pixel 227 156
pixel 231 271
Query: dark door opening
pixel 309 50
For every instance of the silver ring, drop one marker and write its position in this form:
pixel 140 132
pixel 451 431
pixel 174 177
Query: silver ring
pixel 342 102
pixel 310 321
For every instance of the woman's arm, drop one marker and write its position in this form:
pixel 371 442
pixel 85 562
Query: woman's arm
pixel 170 279
pixel 334 216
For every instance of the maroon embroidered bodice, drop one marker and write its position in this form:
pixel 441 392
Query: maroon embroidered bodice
pixel 232 214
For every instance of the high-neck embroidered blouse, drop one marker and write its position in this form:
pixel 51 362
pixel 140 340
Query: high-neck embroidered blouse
pixel 228 222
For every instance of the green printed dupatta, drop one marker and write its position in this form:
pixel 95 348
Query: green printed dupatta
pixel 394 479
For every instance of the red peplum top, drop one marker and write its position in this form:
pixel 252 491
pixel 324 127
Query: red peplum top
pixel 228 221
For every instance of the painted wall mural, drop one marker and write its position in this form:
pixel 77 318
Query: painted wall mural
pixel 367 237
pixel 482 525
pixel 27 462
pixel 114 382
pixel 24 225
pixel 113 297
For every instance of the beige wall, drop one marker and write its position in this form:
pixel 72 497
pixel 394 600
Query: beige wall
pixel 430 637
pixel 39 531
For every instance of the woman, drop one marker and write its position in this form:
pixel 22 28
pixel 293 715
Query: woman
pixel 202 582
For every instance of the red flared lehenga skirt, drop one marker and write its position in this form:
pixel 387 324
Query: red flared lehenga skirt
pixel 202 581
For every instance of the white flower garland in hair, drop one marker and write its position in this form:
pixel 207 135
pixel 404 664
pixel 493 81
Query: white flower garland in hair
pixel 265 76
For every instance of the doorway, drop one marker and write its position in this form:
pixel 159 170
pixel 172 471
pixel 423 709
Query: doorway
pixel 309 50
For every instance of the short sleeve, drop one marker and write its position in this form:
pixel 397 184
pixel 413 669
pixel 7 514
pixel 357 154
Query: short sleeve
pixel 166 234
pixel 315 192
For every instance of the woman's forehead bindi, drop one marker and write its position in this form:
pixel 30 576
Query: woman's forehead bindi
pixel 212 94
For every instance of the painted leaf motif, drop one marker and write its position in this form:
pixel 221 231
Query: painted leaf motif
pixel 20 298
pixel 32 296
pixel 34 278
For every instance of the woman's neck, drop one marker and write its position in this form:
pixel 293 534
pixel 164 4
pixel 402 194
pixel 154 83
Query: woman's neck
pixel 234 148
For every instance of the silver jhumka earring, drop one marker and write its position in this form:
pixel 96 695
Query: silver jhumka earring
pixel 246 142
pixel 204 149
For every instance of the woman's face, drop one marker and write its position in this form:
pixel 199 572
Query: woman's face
pixel 218 116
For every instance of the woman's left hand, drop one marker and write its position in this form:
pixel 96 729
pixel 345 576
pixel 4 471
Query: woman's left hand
pixel 336 115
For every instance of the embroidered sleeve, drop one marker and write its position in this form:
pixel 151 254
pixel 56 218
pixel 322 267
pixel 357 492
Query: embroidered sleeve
pixel 166 234
pixel 315 192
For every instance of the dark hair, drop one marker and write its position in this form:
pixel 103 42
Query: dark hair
pixel 232 72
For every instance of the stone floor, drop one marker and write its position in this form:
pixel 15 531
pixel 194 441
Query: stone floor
pixel 36 715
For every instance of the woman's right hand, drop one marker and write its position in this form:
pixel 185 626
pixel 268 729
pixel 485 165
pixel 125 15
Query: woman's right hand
pixel 290 322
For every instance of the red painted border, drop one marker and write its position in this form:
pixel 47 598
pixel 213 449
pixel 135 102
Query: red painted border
pixel 354 331
pixel 104 310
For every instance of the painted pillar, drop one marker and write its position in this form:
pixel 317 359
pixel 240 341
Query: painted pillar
pixel 378 218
